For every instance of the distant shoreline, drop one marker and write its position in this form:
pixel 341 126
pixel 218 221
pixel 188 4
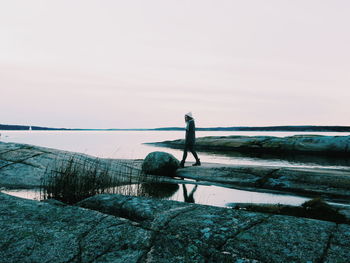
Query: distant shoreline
pixel 305 128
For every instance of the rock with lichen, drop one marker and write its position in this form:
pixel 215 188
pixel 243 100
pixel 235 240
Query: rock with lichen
pixel 116 228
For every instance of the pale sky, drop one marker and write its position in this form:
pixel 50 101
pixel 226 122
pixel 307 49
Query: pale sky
pixel 144 64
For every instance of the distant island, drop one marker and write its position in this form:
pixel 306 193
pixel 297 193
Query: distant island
pixel 305 128
pixel 27 127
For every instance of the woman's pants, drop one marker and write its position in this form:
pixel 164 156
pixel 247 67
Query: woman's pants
pixel 189 147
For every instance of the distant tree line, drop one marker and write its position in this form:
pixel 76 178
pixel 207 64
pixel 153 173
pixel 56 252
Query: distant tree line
pixel 24 127
pixel 271 128
pixel 306 128
pixel 283 128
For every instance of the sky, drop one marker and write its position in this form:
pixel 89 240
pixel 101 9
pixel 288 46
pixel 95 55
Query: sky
pixel 144 64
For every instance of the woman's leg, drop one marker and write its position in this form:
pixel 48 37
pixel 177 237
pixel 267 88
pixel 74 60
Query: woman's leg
pixel 194 155
pixel 184 156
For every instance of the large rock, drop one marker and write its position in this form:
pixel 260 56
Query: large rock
pixel 315 144
pixel 160 163
pixel 196 233
pixel 23 166
pixel 134 229
pixel 33 231
pixel 329 183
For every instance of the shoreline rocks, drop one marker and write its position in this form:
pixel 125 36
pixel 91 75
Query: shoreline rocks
pixel 308 144
pixel 23 166
pixel 330 184
pixel 115 228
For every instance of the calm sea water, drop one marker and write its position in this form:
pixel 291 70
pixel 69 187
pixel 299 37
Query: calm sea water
pixel 130 145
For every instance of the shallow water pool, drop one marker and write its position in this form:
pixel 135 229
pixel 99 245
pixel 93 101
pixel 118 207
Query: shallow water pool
pixel 200 194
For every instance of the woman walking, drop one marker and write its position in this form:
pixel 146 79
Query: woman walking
pixel 190 140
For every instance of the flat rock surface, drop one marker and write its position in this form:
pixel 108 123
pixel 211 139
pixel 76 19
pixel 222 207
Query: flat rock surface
pixel 315 144
pixel 115 228
pixel 34 231
pixel 325 182
pixel 23 166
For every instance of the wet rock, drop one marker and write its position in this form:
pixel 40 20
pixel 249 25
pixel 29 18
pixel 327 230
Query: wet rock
pixel 160 163
pixel 326 182
pixel 315 208
pixel 332 183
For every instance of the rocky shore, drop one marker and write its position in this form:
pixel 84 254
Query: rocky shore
pixel 331 184
pixel 311 144
pixel 117 228
pixel 114 228
pixel 23 166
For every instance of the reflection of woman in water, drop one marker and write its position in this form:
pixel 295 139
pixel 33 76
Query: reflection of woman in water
pixel 189 198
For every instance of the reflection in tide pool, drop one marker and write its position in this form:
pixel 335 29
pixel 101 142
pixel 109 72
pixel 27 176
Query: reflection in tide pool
pixel 221 196
pixel 199 194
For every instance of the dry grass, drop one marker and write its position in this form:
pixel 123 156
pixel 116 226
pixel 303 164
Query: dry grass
pixel 73 179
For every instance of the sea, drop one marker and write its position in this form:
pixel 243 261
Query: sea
pixel 133 145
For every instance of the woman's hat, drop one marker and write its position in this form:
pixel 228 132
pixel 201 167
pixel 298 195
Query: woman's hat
pixel 189 114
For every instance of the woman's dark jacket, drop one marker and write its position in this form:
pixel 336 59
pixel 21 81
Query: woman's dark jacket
pixel 190 133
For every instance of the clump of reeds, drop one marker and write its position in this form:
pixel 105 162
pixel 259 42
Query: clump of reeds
pixel 73 179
